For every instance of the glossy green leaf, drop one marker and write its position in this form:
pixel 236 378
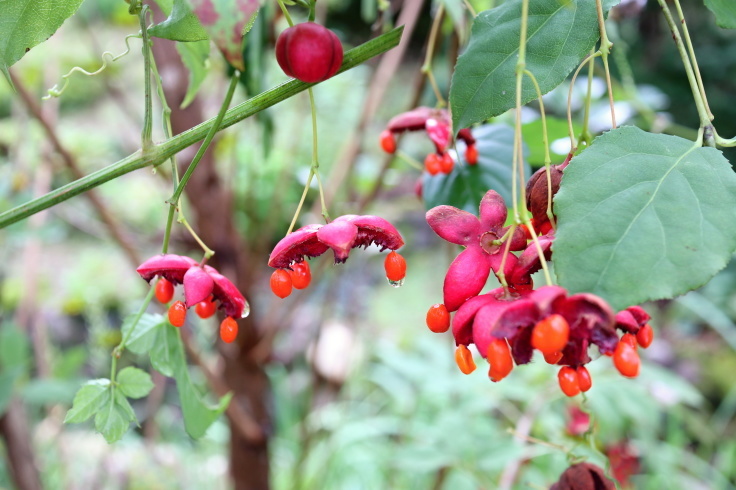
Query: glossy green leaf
pixel 90 398
pixel 466 185
pixel 198 415
pixel 164 350
pixel 181 25
pixel 112 420
pixel 226 22
pixel 643 216
pixel 26 23
pixel 725 12
pixel 196 57
pixel 134 382
pixel 560 34
pixel 142 338
pixel 532 135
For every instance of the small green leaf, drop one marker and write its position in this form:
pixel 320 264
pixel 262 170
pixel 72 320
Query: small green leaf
pixel 26 23
pixel 144 334
pixel 134 383
pixel 725 12
pixel 196 57
pixel 226 22
pixel 643 216
pixel 466 185
pixel 124 405
pixel 560 34
pixel 164 350
pixel 181 25
pixel 90 398
pixel 112 420
pixel 198 415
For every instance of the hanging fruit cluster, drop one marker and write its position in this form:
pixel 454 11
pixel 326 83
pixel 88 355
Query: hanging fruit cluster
pixel 203 286
pixel 509 323
pixel 436 123
pixel 341 235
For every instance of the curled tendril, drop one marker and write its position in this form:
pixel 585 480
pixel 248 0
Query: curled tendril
pixel 55 91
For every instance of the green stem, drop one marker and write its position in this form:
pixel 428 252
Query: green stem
pixel 118 351
pixel 315 155
pixel 605 50
pixel 207 139
pixel 160 153
pixel 699 103
pixel 570 129
pixel 147 133
pixel 165 116
pixel 693 59
pixel 585 134
pixel 409 160
pixel 286 13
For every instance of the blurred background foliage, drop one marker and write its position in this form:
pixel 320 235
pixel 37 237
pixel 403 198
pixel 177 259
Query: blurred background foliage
pixel 364 396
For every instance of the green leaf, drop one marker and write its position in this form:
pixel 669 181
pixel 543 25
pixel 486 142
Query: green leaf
pixel 134 382
pixel 532 135
pixel 26 23
pixel 164 350
pixel 466 185
pixel 198 415
pixel 226 22
pixel 195 57
pixel 725 12
pixel 560 34
pixel 112 419
pixel 643 216
pixel 90 398
pixel 14 347
pixel 145 332
pixel 124 405
pixel 181 25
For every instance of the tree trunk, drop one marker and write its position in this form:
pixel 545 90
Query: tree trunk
pixel 14 431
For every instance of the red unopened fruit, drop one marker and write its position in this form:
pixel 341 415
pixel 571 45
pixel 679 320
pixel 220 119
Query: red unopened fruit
pixel 281 283
pixel 499 355
pixel 395 266
pixel 388 142
pixel 309 52
pixel 644 336
pixel 228 330
pixel 446 163
pixel 551 334
pixel 301 275
pixel 177 313
pixel 206 308
pixel 626 360
pixel 629 339
pixel 433 164
pixel 585 382
pixel 164 290
pixel 464 359
pixel 438 318
pixel 568 380
pixel 553 357
pixel 471 155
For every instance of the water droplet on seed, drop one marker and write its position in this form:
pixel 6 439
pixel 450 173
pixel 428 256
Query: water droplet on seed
pixel 396 284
